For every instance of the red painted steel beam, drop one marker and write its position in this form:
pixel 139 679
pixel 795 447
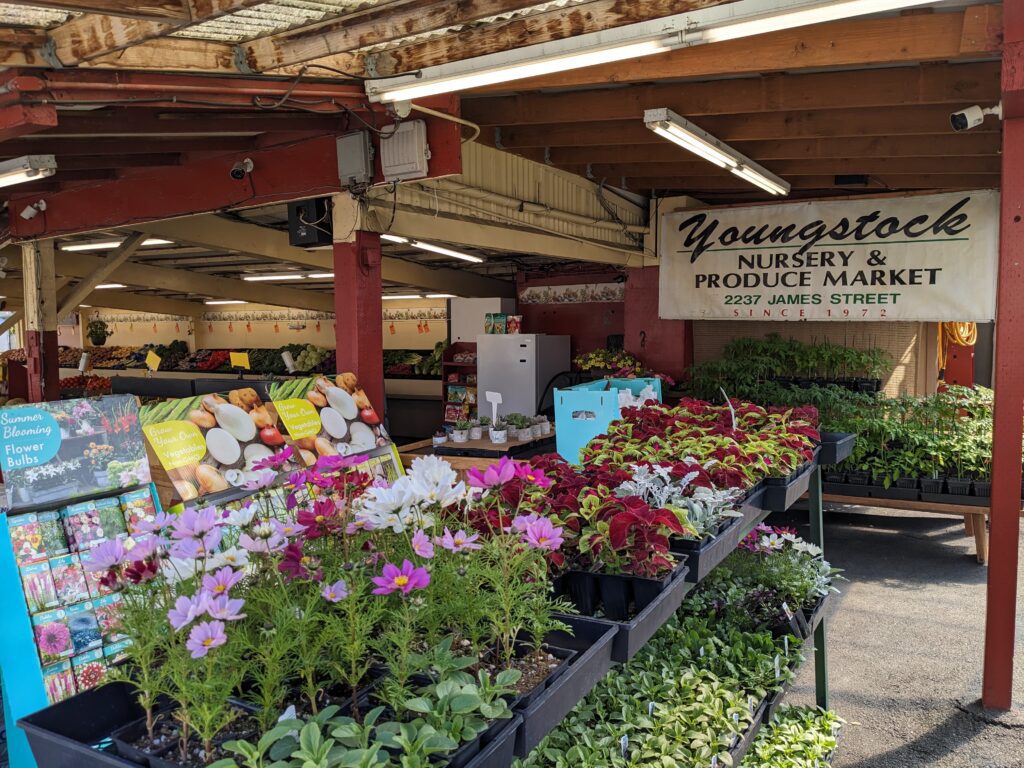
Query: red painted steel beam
pixel 357 312
pixel 18 120
pixel 1008 428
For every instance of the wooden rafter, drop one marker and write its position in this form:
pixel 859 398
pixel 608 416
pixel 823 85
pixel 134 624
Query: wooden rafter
pixel 174 10
pixel 928 84
pixel 113 260
pixel 884 182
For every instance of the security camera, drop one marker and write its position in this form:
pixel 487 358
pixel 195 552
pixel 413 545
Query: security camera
pixel 973 116
pixel 241 168
pixel 31 211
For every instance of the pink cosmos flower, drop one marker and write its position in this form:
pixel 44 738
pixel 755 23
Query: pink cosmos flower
pixel 404 579
pixel 204 637
pixel 421 545
pixel 358 525
pixel 335 592
pixel 105 556
pixel 266 545
pixel 225 608
pixel 221 581
pixel 337 463
pixel 193 523
pixel 287 528
pixel 275 462
pixel 493 476
pixel 521 522
pixel 186 610
pixel 160 521
pixel 533 476
pixel 541 534
pixel 145 547
pixel 194 549
pixel 264 479
pixel 458 541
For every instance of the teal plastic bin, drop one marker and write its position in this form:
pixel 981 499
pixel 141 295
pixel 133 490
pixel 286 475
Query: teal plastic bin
pixel 584 411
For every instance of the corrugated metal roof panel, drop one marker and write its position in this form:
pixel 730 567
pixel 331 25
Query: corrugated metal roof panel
pixel 27 16
pixel 270 18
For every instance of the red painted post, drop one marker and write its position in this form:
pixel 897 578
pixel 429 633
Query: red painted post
pixel 960 365
pixel 1001 612
pixel 357 305
pixel 665 346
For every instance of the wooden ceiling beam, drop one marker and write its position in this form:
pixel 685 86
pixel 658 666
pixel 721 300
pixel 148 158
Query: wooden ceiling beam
pixel 93 36
pixel 172 10
pixel 967 144
pixel 378 24
pixel 833 123
pixel 884 182
pixel 975 32
pixel 789 169
pixel 873 88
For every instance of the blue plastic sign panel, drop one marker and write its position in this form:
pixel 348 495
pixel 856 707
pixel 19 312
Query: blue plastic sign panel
pixel 30 437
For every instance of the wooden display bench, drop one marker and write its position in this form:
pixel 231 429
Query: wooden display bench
pixel 476 453
pixel 974 516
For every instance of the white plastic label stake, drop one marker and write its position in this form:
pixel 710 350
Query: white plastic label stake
pixel 786 608
pixel 701 652
pixel 650 709
pixel 778 671
pixel 624 746
pixel 732 410
pixel 714 761
pixel 785 644
pixel 494 398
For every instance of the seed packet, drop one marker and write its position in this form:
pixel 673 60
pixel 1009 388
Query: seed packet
pixel 69 578
pixel 138 506
pixel 82 525
pixel 59 681
pixel 55 541
pixel 108 615
pixel 93 579
pixel 53 637
pixel 90 669
pixel 40 592
pixel 111 517
pixel 27 539
pixel 117 652
pixel 85 628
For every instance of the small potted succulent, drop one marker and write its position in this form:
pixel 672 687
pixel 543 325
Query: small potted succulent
pixel 461 432
pixel 499 433
pixel 537 427
pixel 545 426
pixel 98 333
pixel 476 429
pixel 440 437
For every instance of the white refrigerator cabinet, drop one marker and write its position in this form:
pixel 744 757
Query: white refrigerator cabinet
pixel 519 366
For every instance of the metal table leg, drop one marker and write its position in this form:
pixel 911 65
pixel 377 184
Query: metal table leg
pixel 818 538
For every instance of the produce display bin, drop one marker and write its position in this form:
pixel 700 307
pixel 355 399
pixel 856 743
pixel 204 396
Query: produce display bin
pixel 584 411
pixel 592 641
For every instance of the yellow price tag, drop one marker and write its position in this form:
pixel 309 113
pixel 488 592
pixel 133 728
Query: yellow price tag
pixel 152 360
pixel 240 360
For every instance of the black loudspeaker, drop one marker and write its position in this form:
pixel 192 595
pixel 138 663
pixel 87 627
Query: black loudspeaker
pixel 309 223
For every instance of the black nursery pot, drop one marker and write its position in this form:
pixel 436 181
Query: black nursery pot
pixel 126 737
pixel 858 478
pixel 959 486
pixel 983 488
pixel 581 589
pixel 932 484
pixel 616 596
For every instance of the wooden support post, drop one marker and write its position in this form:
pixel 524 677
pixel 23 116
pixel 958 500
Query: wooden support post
pixel 116 258
pixel 357 308
pixel 1008 411
pixel 40 291
pixel 16 317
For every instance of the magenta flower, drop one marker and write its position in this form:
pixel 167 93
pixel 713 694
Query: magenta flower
pixel 458 541
pixel 105 556
pixel 287 528
pixel 264 479
pixel 358 525
pixel 541 534
pixel 493 476
pixel 311 477
pixel 335 592
pixel 265 544
pixel 145 547
pixel 53 638
pixel 204 637
pixel 224 608
pixel 192 523
pixel 337 463
pixel 404 579
pixel 533 476
pixel 521 522
pixel 421 545
pixel 275 462
pixel 194 549
pixel 186 610
pixel 220 582
pixel 160 521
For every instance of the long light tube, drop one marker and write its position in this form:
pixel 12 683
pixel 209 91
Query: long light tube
pixel 397 297
pixel 27 168
pixel 432 248
pixel 212 302
pixel 268 278
pixel 692 138
pixel 105 245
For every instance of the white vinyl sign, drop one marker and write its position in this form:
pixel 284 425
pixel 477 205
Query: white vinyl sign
pixel 926 258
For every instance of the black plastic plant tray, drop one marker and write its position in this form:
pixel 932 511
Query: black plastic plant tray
pixel 746 741
pixel 75 733
pixel 952 498
pixel 814 616
pixel 779 498
pixel 591 643
pixel 702 557
pixel 500 750
pixel 892 492
pixel 836 446
pixel 633 635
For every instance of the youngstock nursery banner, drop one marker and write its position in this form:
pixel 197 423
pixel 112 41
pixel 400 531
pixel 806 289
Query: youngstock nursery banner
pixel 927 258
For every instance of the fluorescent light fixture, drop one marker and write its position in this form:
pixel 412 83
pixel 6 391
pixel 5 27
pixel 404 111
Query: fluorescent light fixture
pixel 695 139
pixel 106 245
pixel 819 14
pixel 445 251
pixel 726 21
pixel 85 306
pixel 503 73
pixel 321 275
pixel 268 278
pixel 212 302
pixel 27 168
pixel 104 286
pixel 394 239
pixel 396 296
pixel 441 296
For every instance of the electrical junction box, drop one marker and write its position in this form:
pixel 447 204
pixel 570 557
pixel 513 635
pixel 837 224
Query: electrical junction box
pixel 355 159
pixel 405 155
pixel 310 223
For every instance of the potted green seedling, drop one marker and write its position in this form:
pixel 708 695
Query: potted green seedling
pixel 476 430
pixel 499 433
pixel 461 432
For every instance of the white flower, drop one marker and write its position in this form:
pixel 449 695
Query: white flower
pixel 773 541
pixel 383 507
pixel 431 480
pixel 241 517
pixel 232 558
pixel 805 546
